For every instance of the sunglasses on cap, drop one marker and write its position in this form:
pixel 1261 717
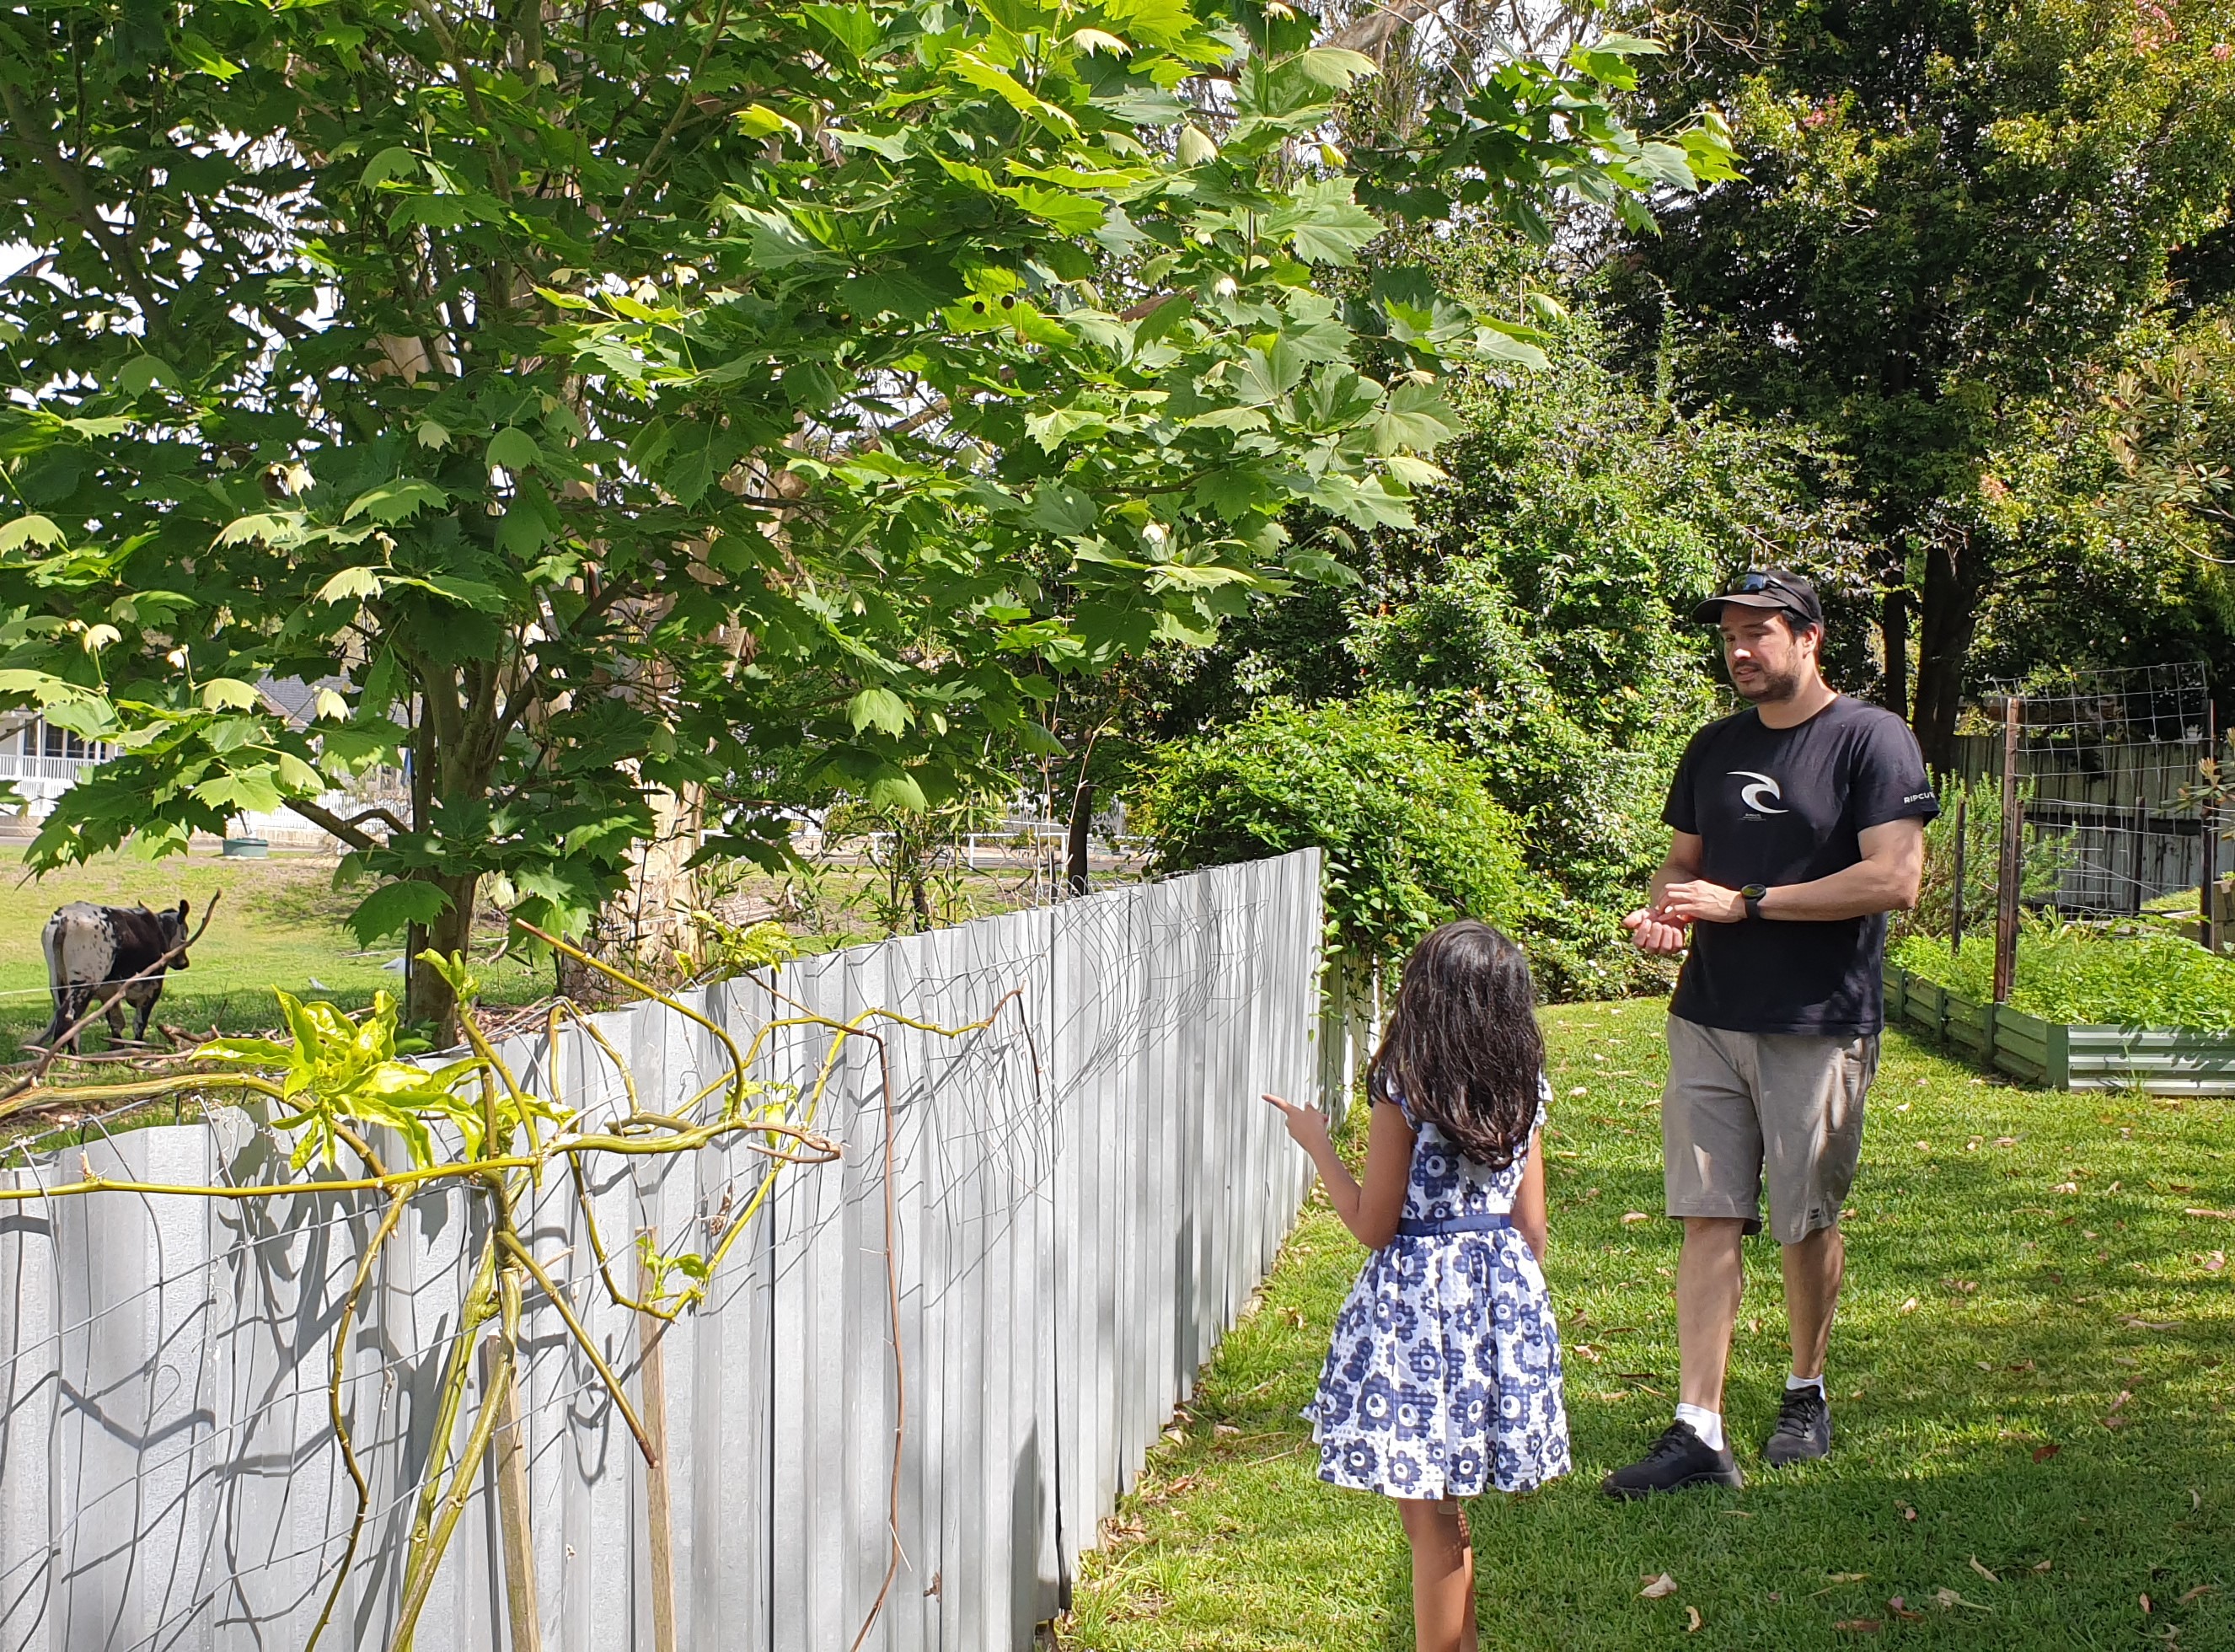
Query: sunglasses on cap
pixel 1766 591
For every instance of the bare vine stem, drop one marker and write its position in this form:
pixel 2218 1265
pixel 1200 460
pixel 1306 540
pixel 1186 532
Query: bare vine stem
pixel 504 1164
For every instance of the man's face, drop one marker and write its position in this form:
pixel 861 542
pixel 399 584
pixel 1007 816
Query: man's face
pixel 1768 661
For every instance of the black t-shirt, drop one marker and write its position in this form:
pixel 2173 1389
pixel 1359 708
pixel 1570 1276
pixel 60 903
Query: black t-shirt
pixel 1788 806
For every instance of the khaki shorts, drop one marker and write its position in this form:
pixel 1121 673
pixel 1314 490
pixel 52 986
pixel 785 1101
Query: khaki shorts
pixel 1741 1105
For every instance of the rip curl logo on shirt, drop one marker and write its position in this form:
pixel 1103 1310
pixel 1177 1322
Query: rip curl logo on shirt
pixel 1758 795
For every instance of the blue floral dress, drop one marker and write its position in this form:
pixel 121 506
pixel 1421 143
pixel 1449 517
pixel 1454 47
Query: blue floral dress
pixel 1443 1377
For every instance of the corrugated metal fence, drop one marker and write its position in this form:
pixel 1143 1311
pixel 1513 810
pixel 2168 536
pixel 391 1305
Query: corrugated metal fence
pixel 1082 1195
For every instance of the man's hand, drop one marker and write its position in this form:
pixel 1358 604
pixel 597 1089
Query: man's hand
pixel 1655 931
pixel 1700 901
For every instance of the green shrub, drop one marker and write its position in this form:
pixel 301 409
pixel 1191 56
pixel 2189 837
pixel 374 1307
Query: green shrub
pixel 2129 977
pixel 1411 835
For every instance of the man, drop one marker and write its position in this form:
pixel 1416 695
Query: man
pixel 1798 824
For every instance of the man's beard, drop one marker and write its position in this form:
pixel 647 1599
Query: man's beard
pixel 1770 687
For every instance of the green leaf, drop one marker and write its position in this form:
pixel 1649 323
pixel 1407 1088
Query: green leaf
pixel 899 790
pixel 1335 66
pixel 229 693
pixel 352 584
pixel 880 707
pixel 242 791
pixel 141 373
pixel 392 501
pixel 512 449
pixel 1417 417
pixel 393 162
pixel 202 58
pixel 758 120
pixel 389 908
pixel 853 27
pixel 30 530
pixel 1324 224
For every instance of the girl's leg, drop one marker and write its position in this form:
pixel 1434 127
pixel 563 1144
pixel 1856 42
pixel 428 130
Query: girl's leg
pixel 1443 1574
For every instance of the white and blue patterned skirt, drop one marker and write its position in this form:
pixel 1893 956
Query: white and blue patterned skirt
pixel 1443 1377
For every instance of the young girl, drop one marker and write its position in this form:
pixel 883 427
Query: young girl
pixel 1445 1374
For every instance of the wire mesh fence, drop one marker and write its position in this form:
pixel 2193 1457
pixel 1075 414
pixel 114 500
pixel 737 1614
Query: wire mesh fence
pixel 908 1400
pixel 2108 766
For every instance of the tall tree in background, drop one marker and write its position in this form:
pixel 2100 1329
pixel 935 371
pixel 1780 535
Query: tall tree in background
pixel 1951 212
pixel 608 404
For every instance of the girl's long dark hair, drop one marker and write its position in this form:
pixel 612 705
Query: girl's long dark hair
pixel 1463 1046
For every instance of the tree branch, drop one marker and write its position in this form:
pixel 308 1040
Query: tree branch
pixel 346 831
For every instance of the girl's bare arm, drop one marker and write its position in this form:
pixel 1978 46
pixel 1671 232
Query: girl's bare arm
pixel 1529 1218
pixel 1370 1209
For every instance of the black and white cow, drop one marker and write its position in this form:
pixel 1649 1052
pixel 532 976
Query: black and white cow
pixel 91 949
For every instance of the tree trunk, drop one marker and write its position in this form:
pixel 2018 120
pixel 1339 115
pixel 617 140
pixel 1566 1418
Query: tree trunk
pixel 427 995
pixel 1948 617
pixel 1893 629
pixel 1082 816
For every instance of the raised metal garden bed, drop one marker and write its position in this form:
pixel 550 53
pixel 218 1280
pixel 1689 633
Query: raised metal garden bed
pixel 2060 1055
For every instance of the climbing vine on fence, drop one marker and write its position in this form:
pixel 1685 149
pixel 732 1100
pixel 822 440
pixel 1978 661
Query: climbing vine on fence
pixel 334 1084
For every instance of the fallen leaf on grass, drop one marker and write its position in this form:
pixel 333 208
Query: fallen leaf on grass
pixel 2215 1262
pixel 1585 1351
pixel 1982 1571
pixel 2214 1215
pixel 2043 1453
pixel 1294 1316
pixel 2146 1607
pixel 1658 1588
pixel 2141 1324
pixel 1907 1513
pixel 1949 1598
pixel 1910 1307
pixel 1861 1625
pixel 1849 1576
pixel 2113 1419
pixel 1692 1623
pixel 2195 1594
pixel 1899 1608
pixel 1224 1429
pixel 2042 1566
pixel 1630 1218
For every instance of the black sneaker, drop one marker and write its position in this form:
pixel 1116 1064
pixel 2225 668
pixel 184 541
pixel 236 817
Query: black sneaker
pixel 1803 1431
pixel 1679 1458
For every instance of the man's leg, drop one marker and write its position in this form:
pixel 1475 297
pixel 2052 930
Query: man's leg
pixel 1711 1156
pixel 1709 1279
pixel 1813 1271
pixel 1813 1091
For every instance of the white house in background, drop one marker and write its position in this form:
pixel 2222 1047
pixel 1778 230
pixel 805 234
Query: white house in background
pixel 39 762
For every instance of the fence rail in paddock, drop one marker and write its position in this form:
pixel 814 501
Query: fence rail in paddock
pixel 1037 1234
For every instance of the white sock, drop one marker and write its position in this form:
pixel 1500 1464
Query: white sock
pixel 1707 1424
pixel 1792 1382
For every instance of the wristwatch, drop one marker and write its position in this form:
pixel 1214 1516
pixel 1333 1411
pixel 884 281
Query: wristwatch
pixel 1752 895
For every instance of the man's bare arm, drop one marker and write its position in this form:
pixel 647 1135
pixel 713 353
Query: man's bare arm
pixel 1884 880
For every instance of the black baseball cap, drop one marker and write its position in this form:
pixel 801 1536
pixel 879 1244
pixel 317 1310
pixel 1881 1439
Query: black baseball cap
pixel 1772 588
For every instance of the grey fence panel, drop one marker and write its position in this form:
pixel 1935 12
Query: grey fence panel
pixel 1083 1193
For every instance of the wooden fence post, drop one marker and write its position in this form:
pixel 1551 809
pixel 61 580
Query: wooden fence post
pixel 2011 869
pixel 2208 891
pixel 1963 857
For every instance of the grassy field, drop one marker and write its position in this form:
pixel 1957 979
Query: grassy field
pixel 2030 1379
pixel 278 924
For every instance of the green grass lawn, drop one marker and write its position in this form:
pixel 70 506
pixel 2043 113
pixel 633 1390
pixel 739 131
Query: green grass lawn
pixel 278 924
pixel 2030 1373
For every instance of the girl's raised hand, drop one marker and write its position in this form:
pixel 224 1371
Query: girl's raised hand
pixel 1307 1126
